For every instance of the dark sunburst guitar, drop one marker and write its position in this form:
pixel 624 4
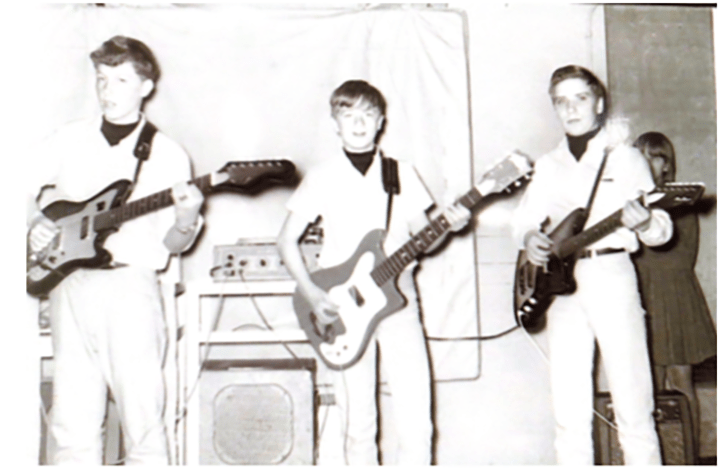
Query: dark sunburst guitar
pixel 364 286
pixel 537 286
pixel 84 226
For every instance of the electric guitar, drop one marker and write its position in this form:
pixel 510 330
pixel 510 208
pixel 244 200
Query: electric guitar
pixel 537 286
pixel 364 287
pixel 84 226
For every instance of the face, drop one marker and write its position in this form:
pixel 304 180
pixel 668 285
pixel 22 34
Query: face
pixel 577 106
pixel 121 92
pixel 357 127
pixel 661 170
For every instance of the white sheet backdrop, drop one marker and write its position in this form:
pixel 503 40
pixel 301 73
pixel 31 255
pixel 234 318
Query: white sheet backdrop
pixel 245 82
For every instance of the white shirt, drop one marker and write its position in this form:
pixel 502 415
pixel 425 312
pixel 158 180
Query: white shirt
pixel 79 162
pixel 352 204
pixel 561 184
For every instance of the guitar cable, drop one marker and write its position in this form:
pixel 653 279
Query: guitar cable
pixel 264 319
pixel 546 359
pixel 216 317
pixel 475 338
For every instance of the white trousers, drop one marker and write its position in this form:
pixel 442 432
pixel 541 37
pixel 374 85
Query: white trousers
pixel 400 341
pixel 606 307
pixel 108 332
pixel 20 398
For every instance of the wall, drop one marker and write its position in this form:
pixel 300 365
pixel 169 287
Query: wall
pixel 662 77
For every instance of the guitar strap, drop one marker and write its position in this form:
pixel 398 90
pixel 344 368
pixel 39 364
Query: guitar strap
pixel 142 150
pixel 595 185
pixel 391 183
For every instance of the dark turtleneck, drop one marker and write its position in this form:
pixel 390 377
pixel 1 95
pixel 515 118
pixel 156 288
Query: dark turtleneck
pixel 578 143
pixel 361 161
pixel 114 133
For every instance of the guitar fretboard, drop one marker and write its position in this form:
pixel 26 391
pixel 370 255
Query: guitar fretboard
pixel 675 194
pixel 145 205
pixel 407 253
pixel 600 230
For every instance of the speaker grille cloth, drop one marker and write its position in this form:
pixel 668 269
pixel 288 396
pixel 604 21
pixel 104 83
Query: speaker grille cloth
pixel 253 424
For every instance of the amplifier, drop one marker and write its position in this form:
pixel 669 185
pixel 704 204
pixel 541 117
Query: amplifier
pixel 672 416
pixel 257 260
pixel 257 412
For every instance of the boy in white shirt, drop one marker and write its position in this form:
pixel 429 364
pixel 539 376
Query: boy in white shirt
pixel 606 305
pixel 108 326
pixel 347 192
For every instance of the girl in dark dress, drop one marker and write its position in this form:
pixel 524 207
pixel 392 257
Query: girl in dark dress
pixel 681 327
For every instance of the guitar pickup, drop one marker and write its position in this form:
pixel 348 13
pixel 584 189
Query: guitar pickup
pixel 356 296
pixel 84 224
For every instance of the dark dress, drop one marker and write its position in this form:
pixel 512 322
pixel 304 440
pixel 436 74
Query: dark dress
pixel 681 326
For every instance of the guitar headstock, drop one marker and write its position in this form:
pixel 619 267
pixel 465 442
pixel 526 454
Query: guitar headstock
pixel 509 174
pixel 253 176
pixel 671 195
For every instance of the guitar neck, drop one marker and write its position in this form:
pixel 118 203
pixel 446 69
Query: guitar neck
pixel 145 205
pixel 410 251
pixel 587 237
pixel 667 196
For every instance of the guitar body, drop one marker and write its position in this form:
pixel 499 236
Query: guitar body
pixel 365 286
pixel 84 226
pixel 78 244
pixel 537 286
pixel 363 304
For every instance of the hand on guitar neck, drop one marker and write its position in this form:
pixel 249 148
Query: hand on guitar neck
pixel 456 215
pixel 635 216
pixel 187 200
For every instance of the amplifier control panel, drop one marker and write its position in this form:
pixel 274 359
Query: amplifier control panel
pixel 257 259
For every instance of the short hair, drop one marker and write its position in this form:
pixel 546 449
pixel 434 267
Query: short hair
pixel 657 144
pixel 576 71
pixel 120 49
pixel 352 92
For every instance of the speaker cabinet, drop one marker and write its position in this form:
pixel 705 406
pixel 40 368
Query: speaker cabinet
pixel 672 416
pixel 257 412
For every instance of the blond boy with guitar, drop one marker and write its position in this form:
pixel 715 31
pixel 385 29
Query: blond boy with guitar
pixel 347 191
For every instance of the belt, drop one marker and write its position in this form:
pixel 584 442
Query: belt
pixel 602 251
